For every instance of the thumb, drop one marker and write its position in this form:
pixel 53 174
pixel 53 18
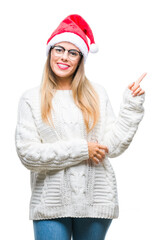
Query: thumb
pixel 131 85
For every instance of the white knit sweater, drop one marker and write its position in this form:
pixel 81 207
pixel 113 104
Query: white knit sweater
pixel 64 183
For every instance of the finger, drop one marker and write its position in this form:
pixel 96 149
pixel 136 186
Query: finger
pixel 102 152
pixel 135 88
pixel 141 92
pixel 131 85
pixel 96 160
pixel 137 91
pixel 140 78
pixel 100 155
pixel 103 147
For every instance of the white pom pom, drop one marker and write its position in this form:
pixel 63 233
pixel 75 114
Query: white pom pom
pixel 93 48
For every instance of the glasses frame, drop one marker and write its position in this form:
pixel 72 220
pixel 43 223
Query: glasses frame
pixel 67 51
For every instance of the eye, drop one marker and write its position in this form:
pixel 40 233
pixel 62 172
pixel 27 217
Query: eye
pixel 73 53
pixel 59 49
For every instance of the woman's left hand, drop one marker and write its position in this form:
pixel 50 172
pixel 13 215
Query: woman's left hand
pixel 135 87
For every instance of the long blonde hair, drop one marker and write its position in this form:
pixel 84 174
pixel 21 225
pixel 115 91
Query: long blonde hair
pixel 84 95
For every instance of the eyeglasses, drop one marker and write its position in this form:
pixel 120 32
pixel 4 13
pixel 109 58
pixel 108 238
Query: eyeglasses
pixel 59 51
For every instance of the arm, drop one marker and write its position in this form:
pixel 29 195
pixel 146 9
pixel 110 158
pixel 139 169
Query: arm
pixel 38 156
pixel 120 131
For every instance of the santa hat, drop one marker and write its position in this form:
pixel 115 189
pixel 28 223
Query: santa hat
pixel 74 29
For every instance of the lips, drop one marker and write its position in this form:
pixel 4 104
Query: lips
pixel 63 66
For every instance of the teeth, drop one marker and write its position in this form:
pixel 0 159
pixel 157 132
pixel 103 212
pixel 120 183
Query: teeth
pixel 62 65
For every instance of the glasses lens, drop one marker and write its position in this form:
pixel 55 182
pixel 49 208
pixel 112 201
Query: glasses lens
pixel 73 54
pixel 58 51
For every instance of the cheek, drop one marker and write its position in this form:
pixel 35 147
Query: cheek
pixel 53 60
pixel 75 65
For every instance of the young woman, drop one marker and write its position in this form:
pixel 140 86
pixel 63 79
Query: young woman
pixel 66 132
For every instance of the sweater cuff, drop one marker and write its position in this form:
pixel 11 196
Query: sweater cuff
pixel 136 101
pixel 80 149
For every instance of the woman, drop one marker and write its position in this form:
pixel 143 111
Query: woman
pixel 66 131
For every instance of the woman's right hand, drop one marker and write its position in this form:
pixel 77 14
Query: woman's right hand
pixel 97 151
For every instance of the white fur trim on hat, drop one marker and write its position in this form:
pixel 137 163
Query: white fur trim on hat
pixel 69 37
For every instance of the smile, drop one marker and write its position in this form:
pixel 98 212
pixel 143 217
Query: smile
pixel 63 66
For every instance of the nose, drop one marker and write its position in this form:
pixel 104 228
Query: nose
pixel 65 55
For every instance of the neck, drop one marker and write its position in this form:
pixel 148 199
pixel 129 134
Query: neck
pixel 63 83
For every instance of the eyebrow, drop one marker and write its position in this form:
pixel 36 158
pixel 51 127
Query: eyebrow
pixel 68 49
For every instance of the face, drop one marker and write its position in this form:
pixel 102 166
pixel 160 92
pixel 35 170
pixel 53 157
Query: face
pixel 62 66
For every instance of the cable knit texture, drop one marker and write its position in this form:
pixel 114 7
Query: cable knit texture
pixel 64 182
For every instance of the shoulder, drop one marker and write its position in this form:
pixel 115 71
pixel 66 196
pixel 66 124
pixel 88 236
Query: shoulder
pixel 100 89
pixel 30 93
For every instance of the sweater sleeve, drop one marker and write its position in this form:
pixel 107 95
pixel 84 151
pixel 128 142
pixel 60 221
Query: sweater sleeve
pixel 120 131
pixel 36 155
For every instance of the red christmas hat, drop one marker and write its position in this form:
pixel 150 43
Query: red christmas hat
pixel 74 29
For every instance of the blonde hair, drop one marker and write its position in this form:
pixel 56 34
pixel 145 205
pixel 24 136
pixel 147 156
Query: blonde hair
pixel 84 95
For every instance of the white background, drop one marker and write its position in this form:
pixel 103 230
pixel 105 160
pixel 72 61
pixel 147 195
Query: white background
pixel 129 37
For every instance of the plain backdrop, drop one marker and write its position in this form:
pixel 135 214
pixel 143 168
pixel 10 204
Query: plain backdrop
pixel 129 37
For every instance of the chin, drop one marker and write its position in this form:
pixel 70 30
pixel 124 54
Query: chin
pixel 62 74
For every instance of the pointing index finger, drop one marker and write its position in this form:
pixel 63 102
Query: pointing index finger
pixel 140 79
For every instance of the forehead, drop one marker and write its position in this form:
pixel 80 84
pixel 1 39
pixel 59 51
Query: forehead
pixel 67 45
